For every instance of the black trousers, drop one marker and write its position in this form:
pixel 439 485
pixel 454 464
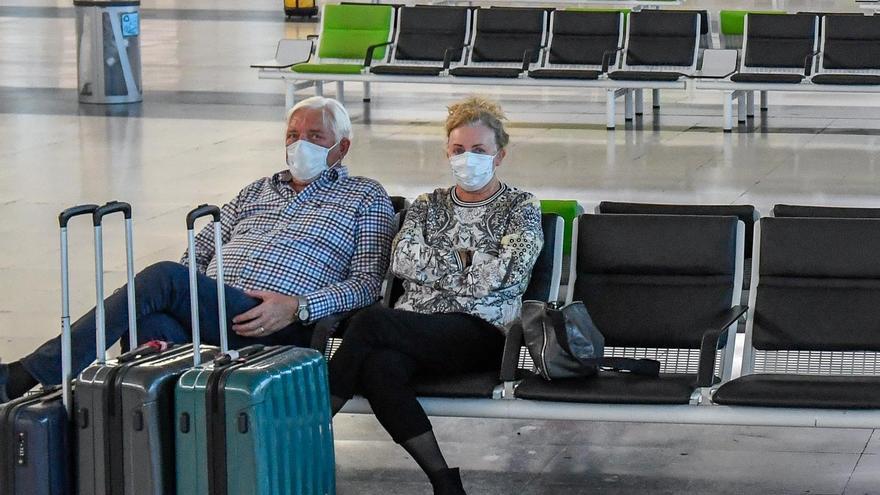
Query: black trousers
pixel 384 349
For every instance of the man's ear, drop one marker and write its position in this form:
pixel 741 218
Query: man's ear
pixel 344 145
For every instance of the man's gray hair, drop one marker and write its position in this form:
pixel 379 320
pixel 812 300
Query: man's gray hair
pixel 334 114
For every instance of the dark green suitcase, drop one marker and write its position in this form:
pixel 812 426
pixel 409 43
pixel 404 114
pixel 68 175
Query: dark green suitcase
pixel 255 421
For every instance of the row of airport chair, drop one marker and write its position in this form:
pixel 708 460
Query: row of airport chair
pixel 523 46
pixel 666 287
pixel 571 48
pixel 801 52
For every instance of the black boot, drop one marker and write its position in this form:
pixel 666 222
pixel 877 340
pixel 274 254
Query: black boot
pixel 447 482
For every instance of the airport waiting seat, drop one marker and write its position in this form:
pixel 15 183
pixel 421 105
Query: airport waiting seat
pixel 660 46
pixel 788 211
pixel 347 32
pixel 543 285
pixel 731 24
pixel 429 40
pixel 776 48
pixel 850 51
pixel 813 333
pixel 506 41
pixel 578 41
pixel 746 213
pixel 657 286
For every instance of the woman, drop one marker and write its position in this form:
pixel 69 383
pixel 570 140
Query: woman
pixel 465 255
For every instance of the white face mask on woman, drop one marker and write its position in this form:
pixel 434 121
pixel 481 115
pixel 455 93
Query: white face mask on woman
pixel 472 171
pixel 307 160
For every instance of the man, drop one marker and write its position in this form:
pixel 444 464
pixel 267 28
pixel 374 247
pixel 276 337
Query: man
pixel 297 246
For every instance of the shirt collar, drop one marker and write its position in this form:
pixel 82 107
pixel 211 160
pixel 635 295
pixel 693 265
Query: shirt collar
pixel 467 204
pixel 281 180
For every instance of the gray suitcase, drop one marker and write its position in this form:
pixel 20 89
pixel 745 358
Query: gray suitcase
pixel 124 408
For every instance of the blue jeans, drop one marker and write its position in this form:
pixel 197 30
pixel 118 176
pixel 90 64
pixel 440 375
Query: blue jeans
pixel 163 313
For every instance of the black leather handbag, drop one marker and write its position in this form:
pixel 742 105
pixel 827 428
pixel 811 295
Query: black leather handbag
pixel 564 342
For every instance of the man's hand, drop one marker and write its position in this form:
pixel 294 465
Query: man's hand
pixel 274 313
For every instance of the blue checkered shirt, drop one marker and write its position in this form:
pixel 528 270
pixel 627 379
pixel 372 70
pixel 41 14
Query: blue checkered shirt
pixel 329 243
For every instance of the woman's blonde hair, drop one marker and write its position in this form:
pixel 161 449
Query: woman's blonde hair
pixel 478 110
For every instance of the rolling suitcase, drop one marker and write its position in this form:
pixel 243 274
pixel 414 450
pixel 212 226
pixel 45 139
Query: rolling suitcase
pixel 124 407
pixel 34 429
pixel 300 8
pixel 255 421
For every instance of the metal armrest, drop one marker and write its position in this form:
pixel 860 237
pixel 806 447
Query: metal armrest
pixel 808 63
pixel 606 58
pixel 510 358
pixel 709 344
pixel 369 58
pixel 447 55
pixel 325 328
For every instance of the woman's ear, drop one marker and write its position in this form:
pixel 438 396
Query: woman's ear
pixel 500 156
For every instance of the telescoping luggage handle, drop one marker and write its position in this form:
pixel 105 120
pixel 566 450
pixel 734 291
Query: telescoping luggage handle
pixel 66 367
pixel 97 217
pixel 191 217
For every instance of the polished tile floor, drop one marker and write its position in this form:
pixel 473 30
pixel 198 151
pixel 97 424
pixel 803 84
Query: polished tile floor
pixel 208 126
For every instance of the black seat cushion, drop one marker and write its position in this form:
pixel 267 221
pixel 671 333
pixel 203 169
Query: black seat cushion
pixel 662 38
pixel 655 280
pixel 407 70
pixel 474 385
pixel 644 75
pixel 746 213
pixel 827 392
pixel 427 32
pixel 564 74
pixel 610 388
pixel 583 37
pixel 504 72
pixel 780 211
pixel 759 77
pixel 778 40
pixel 819 285
pixel 851 42
pixel 846 79
pixel 504 35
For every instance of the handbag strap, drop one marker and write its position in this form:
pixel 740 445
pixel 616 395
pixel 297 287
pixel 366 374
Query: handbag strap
pixel 557 321
pixel 644 367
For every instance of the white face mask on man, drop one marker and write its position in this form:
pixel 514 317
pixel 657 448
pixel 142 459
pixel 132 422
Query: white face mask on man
pixel 307 160
pixel 472 171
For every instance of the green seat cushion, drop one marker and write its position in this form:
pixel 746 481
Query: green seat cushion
pixel 733 21
pixel 348 30
pixel 568 209
pixel 311 68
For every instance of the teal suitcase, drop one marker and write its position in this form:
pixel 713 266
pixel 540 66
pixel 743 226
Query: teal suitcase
pixel 254 421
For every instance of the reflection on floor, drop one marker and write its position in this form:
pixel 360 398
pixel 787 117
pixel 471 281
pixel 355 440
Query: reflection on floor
pixel 208 126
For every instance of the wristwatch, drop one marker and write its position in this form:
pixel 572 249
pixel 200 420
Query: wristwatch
pixel 302 311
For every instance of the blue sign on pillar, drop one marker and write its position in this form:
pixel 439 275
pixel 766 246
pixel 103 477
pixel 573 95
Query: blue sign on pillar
pixel 131 25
